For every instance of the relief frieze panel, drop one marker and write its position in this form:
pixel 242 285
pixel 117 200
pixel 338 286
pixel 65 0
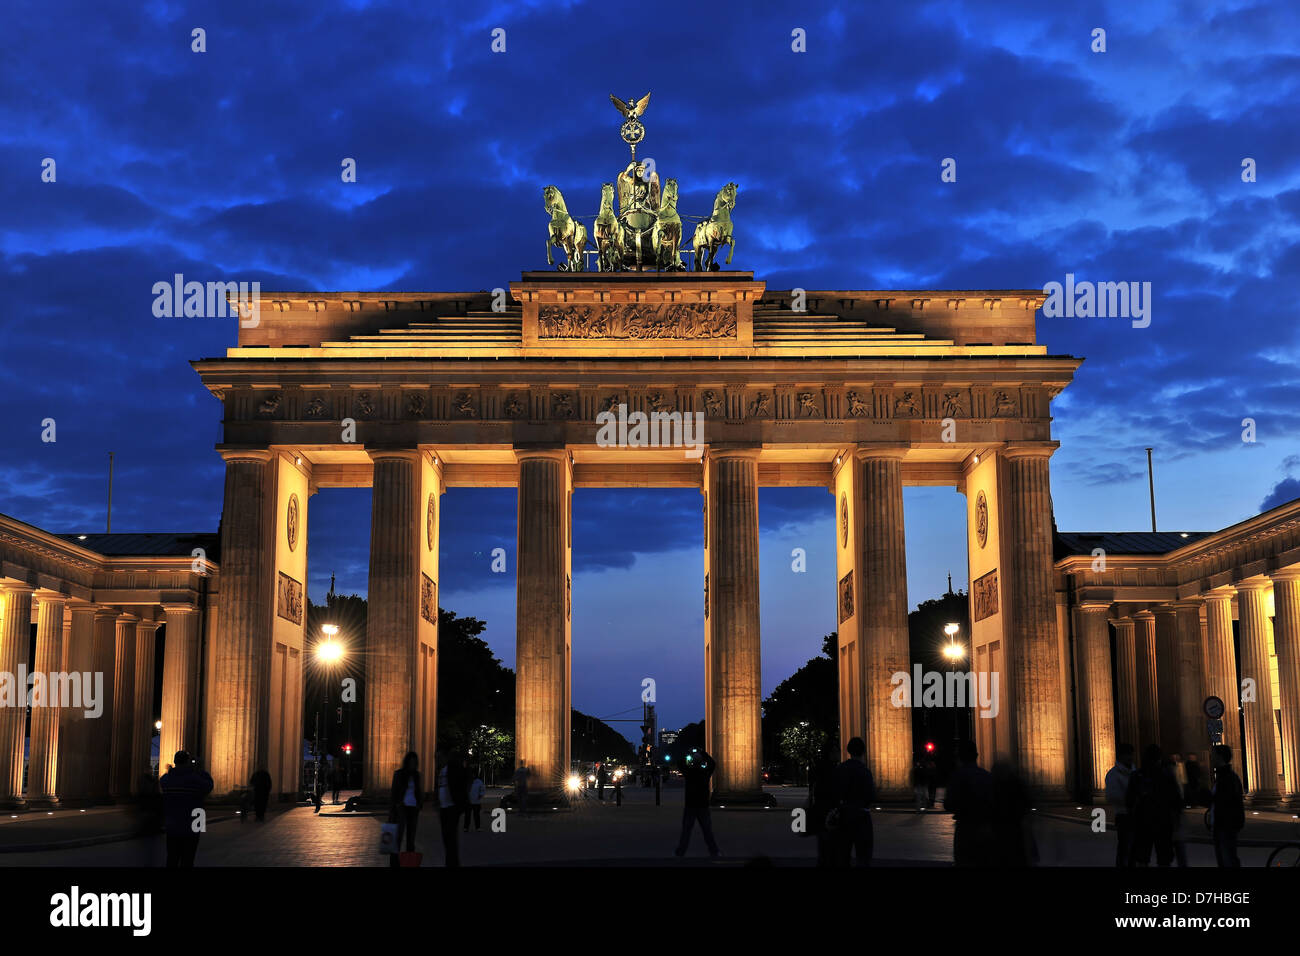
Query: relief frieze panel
pixel 683 320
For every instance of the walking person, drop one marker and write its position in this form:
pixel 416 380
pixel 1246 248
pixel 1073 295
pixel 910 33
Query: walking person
pixel 183 789
pixel 1153 801
pixel 1013 843
pixel 1117 781
pixel 601 778
pixel 476 790
pixel 854 791
pixel 336 783
pixel 261 784
pixel 697 769
pixel 970 800
pixel 1227 807
pixel 453 797
pixel 406 799
pixel 521 787
pixel 918 784
pixel 821 800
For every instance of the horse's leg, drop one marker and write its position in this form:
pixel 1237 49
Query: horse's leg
pixel 731 247
pixel 549 260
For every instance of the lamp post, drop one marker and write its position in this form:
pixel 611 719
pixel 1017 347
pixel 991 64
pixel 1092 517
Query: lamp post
pixel 954 652
pixel 328 652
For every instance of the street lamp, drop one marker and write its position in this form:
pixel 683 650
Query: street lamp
pixel 954 652
pixel 328 652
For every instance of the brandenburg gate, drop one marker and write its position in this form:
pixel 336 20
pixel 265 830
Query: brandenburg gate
pixel 861 393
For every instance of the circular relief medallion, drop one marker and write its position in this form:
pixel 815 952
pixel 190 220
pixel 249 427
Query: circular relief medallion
pixel 844 520
pixel 982 519
pixel 291 522
pixel 429 521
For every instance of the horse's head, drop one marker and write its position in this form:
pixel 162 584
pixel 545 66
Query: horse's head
pixel 606 196
pixel 670 194
pixel 728 194
pixel 551 197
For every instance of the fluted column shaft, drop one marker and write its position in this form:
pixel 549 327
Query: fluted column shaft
pixel 1261 740
pixel 1036 693
pixel 15 642
pixel 142 708
pixel 1221 667
pixel 1167 690
pixel 736 691
pixel 1191 685
pixel 542 715
pixel 180 687
pixel 99 755
pixel 1126 728
pixel 884 649
pixel 123 748
pixel 1286 640
pixel 238 692
pixel 1148 692
pixel 1095 702
pixel 43 760
pixel 392 622
pixel 75 751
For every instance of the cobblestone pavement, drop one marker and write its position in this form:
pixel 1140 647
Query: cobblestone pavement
pixel 593 833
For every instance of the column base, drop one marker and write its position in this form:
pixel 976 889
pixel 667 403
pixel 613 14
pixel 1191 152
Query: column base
pixel 18 804
pixel 742 800
pixel 1268 800
pixel 44 803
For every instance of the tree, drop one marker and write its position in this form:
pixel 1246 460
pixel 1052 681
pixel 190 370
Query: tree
pixel 801 743
pixel 809 696
pixel 489 747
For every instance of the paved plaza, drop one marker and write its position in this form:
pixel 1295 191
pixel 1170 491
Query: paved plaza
pixel 593 833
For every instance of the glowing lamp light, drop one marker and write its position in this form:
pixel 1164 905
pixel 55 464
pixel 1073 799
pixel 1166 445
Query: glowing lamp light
pixel 329 652
pixel 574 783
pixel 954 652
pixel 951 629
pixel 157 725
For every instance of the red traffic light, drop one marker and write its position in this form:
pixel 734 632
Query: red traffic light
pixel 929 747
pixel 347 748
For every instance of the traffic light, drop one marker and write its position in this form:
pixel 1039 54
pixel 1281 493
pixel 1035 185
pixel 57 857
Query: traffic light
pixel 347 749
pixel 929 746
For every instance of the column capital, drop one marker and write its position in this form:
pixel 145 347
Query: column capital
pixel 1144 615
pixel 148 625
pixel 179 608
pixel 1124 621
pixel 1029 449
pixel 44 596
pixel 234 453
pixel 1094 605
pixel 1260 583
pixel 1165 609
pixel 394 454
pixel 16 587
pixel 1188 604
pixel 719 452
pixel 546 452
pixel 1224 593
pixel 877 450
pixel 1285 574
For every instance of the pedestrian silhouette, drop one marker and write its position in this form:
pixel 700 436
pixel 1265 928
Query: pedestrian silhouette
pixel 261 784
pixel 183 789
pixel 1117 781
pixel 970 799
pixel 1154 803
pixel 697 769
pixel 1227 807
pixel 406 799
pixel 476 790
pixel 854 790
pixel 1013 842
pixel 821 800
pixel 521 787
pixel 453 797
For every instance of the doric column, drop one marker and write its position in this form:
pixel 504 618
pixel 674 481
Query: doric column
pixel 142 708
pixel 180 685
pixel 1095 705
pixel 1167 691
pixel 881 561
pixel 99 756
pixel 238 692
pixel 123 747
pixel 393 615
pixel 1286 639
pixel 1221 667
pixel 1261 740
pixel 76 755
pixel 15 643
pixel 1148 693
pixel 43 761
pixel 732 624
pixel 542 627
pixel 1126 729
pixel 1191 686
pixel 1038 711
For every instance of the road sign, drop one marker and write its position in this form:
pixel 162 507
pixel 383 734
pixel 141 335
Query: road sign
pixel 1213 707
pixel 1215 727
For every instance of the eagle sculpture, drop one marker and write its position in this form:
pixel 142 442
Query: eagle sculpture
pixel 630 111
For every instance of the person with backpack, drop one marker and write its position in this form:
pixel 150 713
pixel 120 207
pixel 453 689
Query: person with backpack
pixel 1227 808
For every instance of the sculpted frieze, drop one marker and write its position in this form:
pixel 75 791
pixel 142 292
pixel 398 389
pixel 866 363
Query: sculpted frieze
pixel 637 321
